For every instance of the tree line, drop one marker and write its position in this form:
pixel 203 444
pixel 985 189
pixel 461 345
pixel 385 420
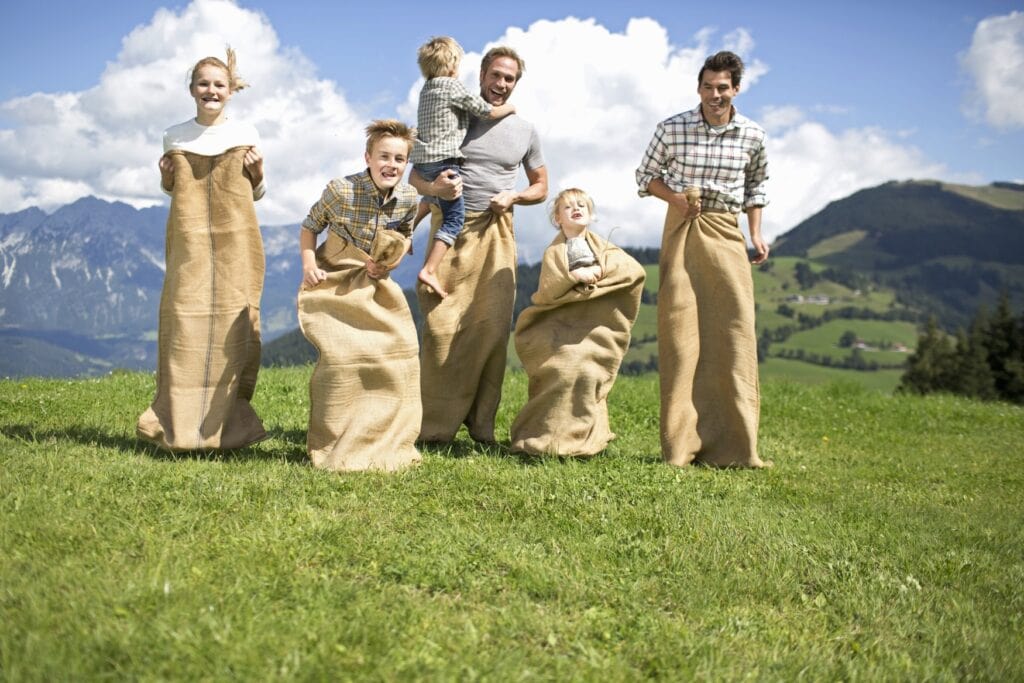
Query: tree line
pixel 985 361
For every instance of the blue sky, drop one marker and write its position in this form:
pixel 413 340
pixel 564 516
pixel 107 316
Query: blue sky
pixel 853 94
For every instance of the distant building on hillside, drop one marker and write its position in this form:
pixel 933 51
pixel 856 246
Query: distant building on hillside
pixel 816 299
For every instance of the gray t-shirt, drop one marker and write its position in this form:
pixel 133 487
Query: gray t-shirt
pixel 494 151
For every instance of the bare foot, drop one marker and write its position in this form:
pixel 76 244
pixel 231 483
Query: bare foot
pixel 430 280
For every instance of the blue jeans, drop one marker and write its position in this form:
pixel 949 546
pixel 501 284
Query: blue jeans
pixel 454 211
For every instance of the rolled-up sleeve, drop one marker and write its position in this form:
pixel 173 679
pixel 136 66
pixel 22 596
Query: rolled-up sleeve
pixel 319 216
pixel 652 164
pixel 756 179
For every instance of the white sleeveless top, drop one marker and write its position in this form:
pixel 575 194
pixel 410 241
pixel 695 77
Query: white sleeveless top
pixel 191 136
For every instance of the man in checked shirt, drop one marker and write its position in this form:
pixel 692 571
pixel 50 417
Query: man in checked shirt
pixel 708 164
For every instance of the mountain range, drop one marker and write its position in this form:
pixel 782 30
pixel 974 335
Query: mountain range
pixel 80 287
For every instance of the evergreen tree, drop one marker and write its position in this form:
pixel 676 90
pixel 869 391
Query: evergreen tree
pixel 932 366
pixel 1004 344
pixel 847 339
pixel 987 362
pixel 974 376
pixel 804 275
pixel 763 342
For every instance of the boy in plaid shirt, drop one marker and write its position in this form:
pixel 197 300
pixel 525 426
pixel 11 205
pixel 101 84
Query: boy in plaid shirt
pixel 442 120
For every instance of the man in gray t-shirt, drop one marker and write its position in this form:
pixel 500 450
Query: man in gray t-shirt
pixel 494 151
pixel 465 337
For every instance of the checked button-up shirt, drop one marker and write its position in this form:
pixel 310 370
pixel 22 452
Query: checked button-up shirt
pixel 729 164
pixel 442 119
pixel 353 208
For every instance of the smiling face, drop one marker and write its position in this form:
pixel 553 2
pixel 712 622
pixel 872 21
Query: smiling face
pixel 211 89
pixel 387 161
pixel 573 213
pixel 716 92
pixel 499 80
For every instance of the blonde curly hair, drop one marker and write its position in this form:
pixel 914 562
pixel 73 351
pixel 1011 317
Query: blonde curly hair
pixel 567 195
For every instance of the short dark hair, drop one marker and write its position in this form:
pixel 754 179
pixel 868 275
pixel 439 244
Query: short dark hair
pixel 723 61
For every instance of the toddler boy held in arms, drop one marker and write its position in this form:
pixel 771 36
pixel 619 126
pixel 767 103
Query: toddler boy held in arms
pixel 442 120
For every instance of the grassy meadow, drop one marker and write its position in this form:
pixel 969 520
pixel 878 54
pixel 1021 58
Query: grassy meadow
pixel 886 543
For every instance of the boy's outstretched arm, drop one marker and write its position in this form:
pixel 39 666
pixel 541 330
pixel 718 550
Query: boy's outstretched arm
pixel 501 111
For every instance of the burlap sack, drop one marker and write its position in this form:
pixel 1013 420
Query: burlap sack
pixel 209 334
pixel 707 345
pixel 465 336
pixel 364 392
pixel 571 342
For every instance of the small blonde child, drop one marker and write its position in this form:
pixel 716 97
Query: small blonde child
pixel 572 338
pixel 442 120
pixel 572 212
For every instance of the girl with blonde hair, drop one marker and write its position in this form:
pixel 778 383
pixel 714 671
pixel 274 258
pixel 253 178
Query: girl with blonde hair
pixel 209 327
pixel 573 338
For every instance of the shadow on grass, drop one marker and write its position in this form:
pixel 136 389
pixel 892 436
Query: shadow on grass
pixel 93 436
pixel 467 448
pixel 463 448
pixel 288 445
pixel 295 444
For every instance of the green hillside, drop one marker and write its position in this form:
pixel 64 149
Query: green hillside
pixel 781 369
pixel 1008 196
pixel 859 309
pixel 945 249
pixel 884 545
pixel 867 269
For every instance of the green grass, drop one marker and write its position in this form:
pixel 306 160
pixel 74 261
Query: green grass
pixel 646 322
pixel 771 288
pixel 824 339
pixel 787 370
pixel 885 544
pixel 1001 198
pixel 651 281
pixel 836 243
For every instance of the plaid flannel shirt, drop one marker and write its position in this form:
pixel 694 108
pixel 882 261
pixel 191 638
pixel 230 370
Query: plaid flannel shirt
pixel 442 119
pixel 353 208
pixel 730 167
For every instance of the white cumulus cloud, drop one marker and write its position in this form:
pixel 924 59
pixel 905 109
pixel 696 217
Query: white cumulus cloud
pixel 595 96
pixel 995 63
pixel 106 140
pixel 811 165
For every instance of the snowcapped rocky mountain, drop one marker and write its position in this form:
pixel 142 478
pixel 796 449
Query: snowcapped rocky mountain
pixel 82 284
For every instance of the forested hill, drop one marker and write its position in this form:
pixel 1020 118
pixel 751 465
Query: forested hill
pixel 944 248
